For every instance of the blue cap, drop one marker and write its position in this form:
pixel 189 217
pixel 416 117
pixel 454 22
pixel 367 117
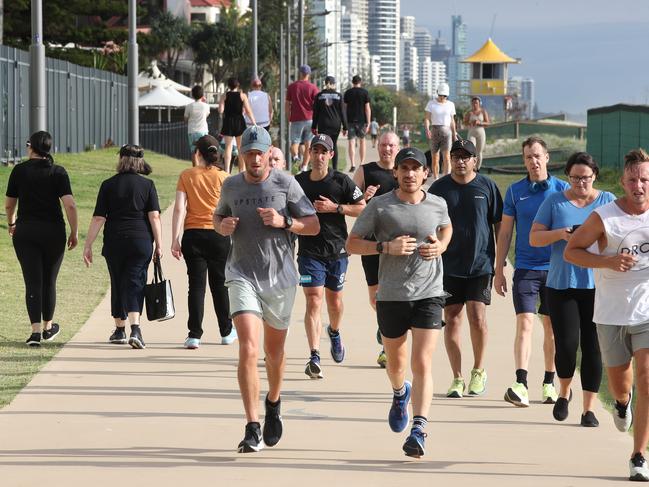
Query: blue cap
pixel 305 69
pixel 255 138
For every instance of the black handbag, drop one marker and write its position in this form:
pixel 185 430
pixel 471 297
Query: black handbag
pixel 158 296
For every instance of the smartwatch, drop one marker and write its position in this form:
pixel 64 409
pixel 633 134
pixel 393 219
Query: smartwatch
pixel 340 210
pixel 288 222
pixel 379 247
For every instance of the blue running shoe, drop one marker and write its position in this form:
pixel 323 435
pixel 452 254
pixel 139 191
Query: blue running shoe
pixel 414 445
pixel 337 347
pixel 398 416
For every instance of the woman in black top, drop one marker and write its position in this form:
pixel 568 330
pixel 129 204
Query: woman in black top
pixel 128 204
pixel 39 231
pixel 231 108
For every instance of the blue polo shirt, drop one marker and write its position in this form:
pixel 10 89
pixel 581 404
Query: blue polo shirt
pixel 522 202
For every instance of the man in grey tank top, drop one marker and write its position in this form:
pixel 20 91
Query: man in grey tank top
pixel 620 261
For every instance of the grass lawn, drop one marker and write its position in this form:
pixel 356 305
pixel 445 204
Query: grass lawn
pixel 79 289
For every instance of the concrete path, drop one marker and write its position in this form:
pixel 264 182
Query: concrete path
pixel 106 415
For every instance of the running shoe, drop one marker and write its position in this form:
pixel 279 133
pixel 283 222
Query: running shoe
pixel 352 168
pixel 623 414
pixel 34 340
pixel 638 469
pixel 51 333
pixel 313 369
pixel 252 439
pixel 379 338
pixel 549 394
pixel 118 336
pixel 337 347
pixel 589 420
pixel 398 416
pixel 456 389
pixel 560 409
pixel 135 340
pixel 518 395
pixel 273 425
pixel 382 359
pixel 192 343
pixel 414 445
pixel 230 338
pixel 478 382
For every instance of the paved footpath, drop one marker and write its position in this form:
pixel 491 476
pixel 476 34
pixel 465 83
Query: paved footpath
pixel 106 415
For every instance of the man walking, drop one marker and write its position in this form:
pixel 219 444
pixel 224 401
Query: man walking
pixel 328 115
pixel 322 259
pixel 412 229
pixel 195 116
pixel 260 209
pixel 475 208
pixel 374 179
pixel 374 132
pixel 300 96
pixel 522 200
pixel 260 104
pixel 359 114
pixel 620 230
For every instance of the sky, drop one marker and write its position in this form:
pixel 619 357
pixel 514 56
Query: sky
pixel 581 53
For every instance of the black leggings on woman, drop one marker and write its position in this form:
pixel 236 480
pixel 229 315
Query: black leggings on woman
pixel 571 312
pixel 40 247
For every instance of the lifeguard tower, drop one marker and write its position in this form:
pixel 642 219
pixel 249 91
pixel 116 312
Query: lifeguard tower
pixel 489 66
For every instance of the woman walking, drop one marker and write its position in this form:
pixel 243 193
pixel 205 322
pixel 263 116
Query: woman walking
pixel 205 251
pixel 476 119
pixel 571 289
pixel 128 205
pixel 231 108
pixel 38 230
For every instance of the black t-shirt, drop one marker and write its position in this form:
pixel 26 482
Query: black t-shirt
pixel 473 208
pixel 38 185
pixel 329 244
pixel 125 201
pixel 328 112
pixel 375 175
pixel 355 99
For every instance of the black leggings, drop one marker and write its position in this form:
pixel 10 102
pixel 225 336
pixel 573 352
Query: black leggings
pixel 128 261
pixel 40 247
pixel 205 253
pixel 571 312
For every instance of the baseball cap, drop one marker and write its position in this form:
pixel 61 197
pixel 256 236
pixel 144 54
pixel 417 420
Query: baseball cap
pixel 410 154
pixel 443 89
pixel 465 145
pixel 255 138
pixel 330 80
pixel 324 140
pixel 305 69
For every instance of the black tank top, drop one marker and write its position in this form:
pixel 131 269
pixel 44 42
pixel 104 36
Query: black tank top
pixel 233 104
pixel 374 175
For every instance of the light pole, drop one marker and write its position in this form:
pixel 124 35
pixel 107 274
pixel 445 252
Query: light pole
pixel 133 114
pixel 300 39
pixel 255 70
pixel 37 92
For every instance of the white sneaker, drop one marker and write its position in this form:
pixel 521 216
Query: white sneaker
pixel 229 339
pixel 192 343
pixel 638 469
pixel 623 414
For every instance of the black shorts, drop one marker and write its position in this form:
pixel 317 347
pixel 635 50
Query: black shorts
pixel 395 318
pixel 528 290
pixel 463 289
pixel 371 269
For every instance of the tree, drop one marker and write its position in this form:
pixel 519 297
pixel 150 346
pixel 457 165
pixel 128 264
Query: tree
pixel 169 36
pixel 382 100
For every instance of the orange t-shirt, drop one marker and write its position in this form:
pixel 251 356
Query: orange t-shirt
pixel 202 185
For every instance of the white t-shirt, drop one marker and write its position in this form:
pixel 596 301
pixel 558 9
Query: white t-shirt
pixel 259 105
pixel 196 114
pixel 441 113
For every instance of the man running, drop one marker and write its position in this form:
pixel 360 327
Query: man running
pixel 260 209
pixel 359 114
pixel 621 267
pixel 475 207
pixel 412 229
pixel 300 96
pixel 322 259
pixel 375 179
pixel 522 200
pixel 328 115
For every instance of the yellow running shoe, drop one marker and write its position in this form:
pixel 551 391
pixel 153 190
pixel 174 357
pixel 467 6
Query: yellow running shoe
pixel 456 389
pixel 478 382
pixel 382 360
pixel 549 394
pixel 517 395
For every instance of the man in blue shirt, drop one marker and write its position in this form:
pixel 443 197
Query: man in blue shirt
pixel 522 200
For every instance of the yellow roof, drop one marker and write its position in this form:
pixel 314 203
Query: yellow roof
pixel 489 53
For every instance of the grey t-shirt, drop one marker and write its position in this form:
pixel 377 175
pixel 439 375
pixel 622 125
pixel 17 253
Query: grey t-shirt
pixel 260 254
pixel 405 277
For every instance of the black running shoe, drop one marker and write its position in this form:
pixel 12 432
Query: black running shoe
pixel 252 440
pixel 34 340
pixel 118 336
pixel 51 333
pixel 273 426
pixel 135 340
pixel 589 420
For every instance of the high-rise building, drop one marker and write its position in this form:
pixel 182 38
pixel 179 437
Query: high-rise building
pixel 458 72
pixel 439 50
pixel 409 62
pixel 384 38
pixel 329 35
pixel 522 90
pixel 423 41
pixel 431 74
pixel 407 28
pixel 360 61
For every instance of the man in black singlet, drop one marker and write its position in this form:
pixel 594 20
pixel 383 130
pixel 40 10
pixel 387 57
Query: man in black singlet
pixel 374 179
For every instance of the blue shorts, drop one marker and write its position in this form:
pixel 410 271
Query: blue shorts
pixel 315 272
pixel 193 137
pixel 300 132
pixel 529 289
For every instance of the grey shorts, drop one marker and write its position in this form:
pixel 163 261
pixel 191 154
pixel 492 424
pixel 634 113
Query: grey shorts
pixel 356 130
pixel 440 138
pixel 273 306
pixel 619 343
pixel 300 132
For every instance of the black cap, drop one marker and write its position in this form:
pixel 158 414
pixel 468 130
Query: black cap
pixel 330 80
pixel 465 145
pixel 412 154
pixel 324 140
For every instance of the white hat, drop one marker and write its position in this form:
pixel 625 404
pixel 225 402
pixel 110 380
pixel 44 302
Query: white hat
pixel 443 89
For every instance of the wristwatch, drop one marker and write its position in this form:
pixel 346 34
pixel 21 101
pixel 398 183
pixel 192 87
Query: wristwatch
pixel 379 247
pixel 288 222
pixel 340 210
